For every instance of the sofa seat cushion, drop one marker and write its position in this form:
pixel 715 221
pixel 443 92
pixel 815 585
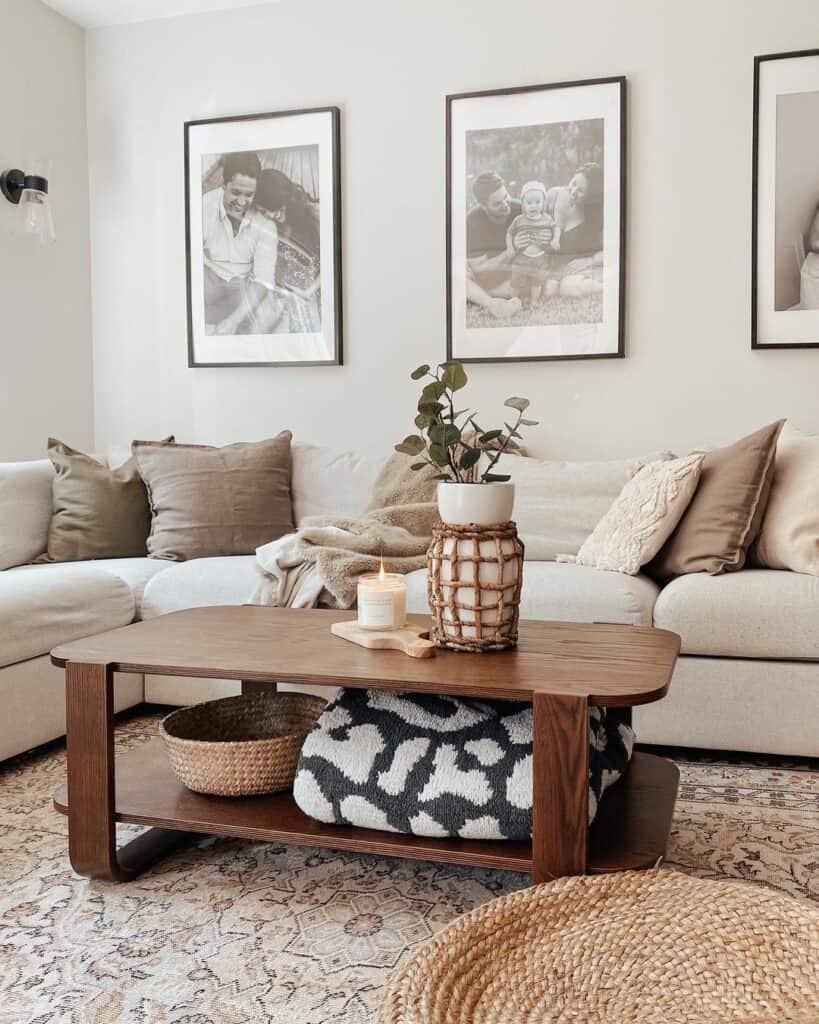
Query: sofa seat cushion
pixel 756 613
pixel 52 604
pixel 557 592
pixel 200 583
pixel 134 571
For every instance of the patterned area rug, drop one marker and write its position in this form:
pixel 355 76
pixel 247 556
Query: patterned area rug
pixel 233 932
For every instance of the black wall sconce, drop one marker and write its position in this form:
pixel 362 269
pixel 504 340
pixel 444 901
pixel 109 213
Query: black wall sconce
pixel 30 191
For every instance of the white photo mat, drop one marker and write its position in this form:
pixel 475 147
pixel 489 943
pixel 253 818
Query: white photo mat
pixel 263 133
pixel 540 106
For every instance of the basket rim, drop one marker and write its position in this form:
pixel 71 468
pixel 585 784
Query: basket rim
pixel 179 713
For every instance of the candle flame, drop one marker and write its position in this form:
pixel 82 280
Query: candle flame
pixel 381 574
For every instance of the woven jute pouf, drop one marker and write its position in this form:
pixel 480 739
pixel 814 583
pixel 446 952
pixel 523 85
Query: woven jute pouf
pixel 647 947
pixel 474 582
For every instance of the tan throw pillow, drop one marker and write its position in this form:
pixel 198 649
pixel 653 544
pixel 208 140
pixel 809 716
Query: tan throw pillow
pixel 726 512
pixel 97 512
pixel 216 501
pixel 789 538
pixel 642 517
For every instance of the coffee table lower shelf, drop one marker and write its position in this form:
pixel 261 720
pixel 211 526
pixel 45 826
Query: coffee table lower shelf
pixel 631 830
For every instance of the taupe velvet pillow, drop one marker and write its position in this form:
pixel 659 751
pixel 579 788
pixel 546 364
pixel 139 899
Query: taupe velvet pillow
pixel 726 511
pixel 97 512
pixel 216 501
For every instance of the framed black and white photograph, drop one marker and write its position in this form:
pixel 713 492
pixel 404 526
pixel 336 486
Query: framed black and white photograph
pixel 785 256
pixel 263 236
pixel 536 190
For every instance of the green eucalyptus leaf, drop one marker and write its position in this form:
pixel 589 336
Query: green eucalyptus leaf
pixel 444 434
pixel 521 404
pixel 438 455
pixel 469 458
pixel 421 421
pixel 490 436
pixel 420 371
pixel 411 445
pixel 433 391
pixel 528 423
pixel 443 476
pixel 430 409
pixel 419 465
pixel 453 376
pixel 512 445
pixel 495 478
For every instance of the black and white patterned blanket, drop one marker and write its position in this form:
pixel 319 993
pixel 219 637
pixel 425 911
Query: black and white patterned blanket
pixel 437 766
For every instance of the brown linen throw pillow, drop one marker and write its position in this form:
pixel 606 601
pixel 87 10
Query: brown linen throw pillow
pixel 216 501
pixel 97 512
pixel 726 512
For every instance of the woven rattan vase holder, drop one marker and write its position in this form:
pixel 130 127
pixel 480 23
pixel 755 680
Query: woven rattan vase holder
pixel 647 947
pixel 475 576
pixel 240 746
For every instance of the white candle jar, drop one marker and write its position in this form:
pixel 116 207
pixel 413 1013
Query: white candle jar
pixel 382 601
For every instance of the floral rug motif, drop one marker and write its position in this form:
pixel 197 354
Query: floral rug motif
pixel 235 932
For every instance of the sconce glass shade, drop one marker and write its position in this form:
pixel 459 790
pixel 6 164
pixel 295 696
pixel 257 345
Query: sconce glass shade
pixel 37 218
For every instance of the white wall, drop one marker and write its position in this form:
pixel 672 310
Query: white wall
pixel 45 300
pixel 690 376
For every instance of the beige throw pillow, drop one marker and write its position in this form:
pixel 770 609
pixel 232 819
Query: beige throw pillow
pixel 97 512
pixel 216 501
pixel 643 517
pixel 789 538
pixel 725 514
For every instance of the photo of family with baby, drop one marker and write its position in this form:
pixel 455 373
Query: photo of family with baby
pixel 534 224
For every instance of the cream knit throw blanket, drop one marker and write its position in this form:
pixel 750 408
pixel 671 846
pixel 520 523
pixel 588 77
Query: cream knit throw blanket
pixel 320 563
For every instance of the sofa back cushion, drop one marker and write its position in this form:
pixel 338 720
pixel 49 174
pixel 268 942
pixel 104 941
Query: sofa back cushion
pixel 25 510
pixel 558 504
pixel 327 482
pixel 789 538
pixel 216 501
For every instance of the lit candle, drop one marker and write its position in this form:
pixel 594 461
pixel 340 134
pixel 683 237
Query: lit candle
pixel 382 600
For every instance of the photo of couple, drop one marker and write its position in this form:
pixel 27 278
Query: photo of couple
pixel 534 225
pixel 260 242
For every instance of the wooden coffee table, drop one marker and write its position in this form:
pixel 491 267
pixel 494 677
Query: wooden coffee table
pixel 561 667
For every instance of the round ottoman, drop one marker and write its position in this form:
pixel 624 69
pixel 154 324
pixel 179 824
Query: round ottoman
pixel 640 947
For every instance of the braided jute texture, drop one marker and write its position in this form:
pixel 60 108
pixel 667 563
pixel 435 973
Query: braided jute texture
pixel 640 947
pixel 240 746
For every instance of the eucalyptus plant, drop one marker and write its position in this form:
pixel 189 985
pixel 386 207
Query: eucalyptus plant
pixel 450 439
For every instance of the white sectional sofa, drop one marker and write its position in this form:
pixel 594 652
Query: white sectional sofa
pixel 748 678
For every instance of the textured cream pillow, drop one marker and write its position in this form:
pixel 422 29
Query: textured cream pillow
pixel 789 538
pixel 558 504
pixel 643 517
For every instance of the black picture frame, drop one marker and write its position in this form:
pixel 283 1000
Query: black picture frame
pixel 337 305
pixel 621 82
pixel 755 200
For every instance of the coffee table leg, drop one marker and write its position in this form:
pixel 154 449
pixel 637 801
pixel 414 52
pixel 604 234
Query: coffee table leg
pixel 560 784
pixel 92 846
pixel 251 686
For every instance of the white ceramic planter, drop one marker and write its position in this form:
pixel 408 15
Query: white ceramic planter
pixel 481 504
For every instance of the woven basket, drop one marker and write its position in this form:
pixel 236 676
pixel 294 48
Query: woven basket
pixel 648 947
pixel 240 746
pixel 474 581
